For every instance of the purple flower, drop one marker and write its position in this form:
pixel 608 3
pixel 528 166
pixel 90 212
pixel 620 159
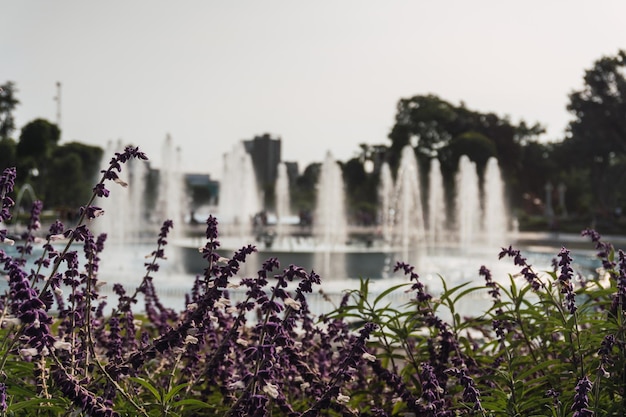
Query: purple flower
pixel 100 190
pixel 619 299
pixel 33 225
pixel 165 229
pixel 605 351
pixel 555 397
pixel 530 276
pixel 604 249
pixel 211 230
pixel 7 183
pixel 581 399
pixel 422 295
pixel 431 390
pixel 606 347
pixel 470 392
pixel 565 280
pixel 28 308
pixel 80 396
pixel 115 165
pixel 494 290
pixel 91 211
pixel 395 383
pixel 3 398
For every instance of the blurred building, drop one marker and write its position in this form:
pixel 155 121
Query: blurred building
pixel 292 171
pixel 202 189
pixel 265 153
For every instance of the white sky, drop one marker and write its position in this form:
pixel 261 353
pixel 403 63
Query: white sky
pixel 322 75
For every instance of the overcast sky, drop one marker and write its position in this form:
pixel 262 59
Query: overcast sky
pixel 322 75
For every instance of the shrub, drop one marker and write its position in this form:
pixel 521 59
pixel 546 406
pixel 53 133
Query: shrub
pixel 548 344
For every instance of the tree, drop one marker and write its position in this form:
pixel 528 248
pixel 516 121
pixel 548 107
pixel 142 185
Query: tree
pixel 72 170
pixel 7 153
pixel 90 157
pixel 304 193
pixel 436 128
pixel 596 137
pixel 65 184
pixel 360 191
pixel 478 147
pixel 8 102
pixel 426 122
pixel 38 139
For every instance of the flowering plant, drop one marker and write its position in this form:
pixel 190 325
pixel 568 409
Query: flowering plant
pixel 552 345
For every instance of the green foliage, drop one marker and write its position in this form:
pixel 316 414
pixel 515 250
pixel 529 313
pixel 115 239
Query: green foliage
pixel 597 135
pixel 8 102
pixel 72 169
pixel 360 186
pixel 527 352
pixel 303 194
pixel 433 123
pixel 476 146
pixel 8 153
pixel 437 128
pixel 544 347
pixel 37 141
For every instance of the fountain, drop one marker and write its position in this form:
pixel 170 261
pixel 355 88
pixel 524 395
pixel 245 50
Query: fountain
pixel 171 198
pixel 330 226
pixel 467 204
pixel 406 234
pixel 436 206
pixel 239 199
pixel 496 214
pixel 409 229
pixel 132 218
pixel 127 217
pixel 283 202
pixel 385 199
pixel 325 248
pixel 431 241
pixel 122 211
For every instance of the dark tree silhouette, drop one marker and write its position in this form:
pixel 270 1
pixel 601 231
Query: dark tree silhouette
pixel 596 138
pixel 8 102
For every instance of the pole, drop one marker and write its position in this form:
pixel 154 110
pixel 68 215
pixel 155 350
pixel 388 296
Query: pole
pixel 58 100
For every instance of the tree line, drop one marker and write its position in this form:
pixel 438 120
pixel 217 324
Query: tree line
pixel 61 175
pixel 589 161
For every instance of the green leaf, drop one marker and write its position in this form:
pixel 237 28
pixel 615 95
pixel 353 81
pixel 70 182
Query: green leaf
pixel 387 291
pixel 173 392
pixel 190 402
pixel 148 386
pixel 37 404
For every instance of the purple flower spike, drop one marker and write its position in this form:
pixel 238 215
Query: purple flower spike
pixel 3 398
pixel 581 399
pixel 33 225
pixel 100 190
pixel 470 392
pixel 92 211
pixel 604 249
pixel 565 280
pixel 530 276
pixel 84 399
pixel 422 295
pixel 211 230
pixel 431 390
pixel 494 290
pixel 7 182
